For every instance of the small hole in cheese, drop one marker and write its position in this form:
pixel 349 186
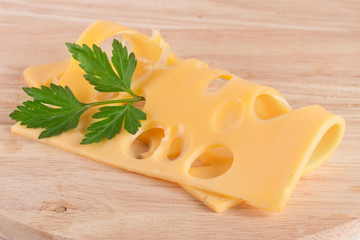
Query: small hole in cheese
pixel 268 106
pixel 175 149
pixel 147 143
pixel 212 163
pixel 217 83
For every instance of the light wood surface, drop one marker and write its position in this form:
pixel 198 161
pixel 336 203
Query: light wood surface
pixel 308 50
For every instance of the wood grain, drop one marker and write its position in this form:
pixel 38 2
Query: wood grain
pixel 308 50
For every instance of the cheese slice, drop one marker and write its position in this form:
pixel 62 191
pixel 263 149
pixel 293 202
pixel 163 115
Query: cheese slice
pixel 239 143
pixel 45 74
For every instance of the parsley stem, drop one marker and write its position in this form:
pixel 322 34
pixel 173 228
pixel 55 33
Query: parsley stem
pixel 131 100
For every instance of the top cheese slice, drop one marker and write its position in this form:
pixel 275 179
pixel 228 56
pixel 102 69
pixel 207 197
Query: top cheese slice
pixel 240 142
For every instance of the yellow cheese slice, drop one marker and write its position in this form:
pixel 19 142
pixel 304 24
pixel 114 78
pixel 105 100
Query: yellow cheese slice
pixel 240 142
pixel 45 74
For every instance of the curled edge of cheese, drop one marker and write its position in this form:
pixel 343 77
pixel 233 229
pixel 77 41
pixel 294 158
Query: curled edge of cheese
pixel 310 134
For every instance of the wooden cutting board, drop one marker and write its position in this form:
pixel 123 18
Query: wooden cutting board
pixel 308 50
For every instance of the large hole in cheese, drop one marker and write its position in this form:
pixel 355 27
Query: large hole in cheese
pixel 325 147
pixel 146 143
pixel 268 106
pixel 212 163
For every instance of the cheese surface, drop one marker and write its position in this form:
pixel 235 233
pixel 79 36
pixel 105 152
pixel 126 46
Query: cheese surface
pixel 241 142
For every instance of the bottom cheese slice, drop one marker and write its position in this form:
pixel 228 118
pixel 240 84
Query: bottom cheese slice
pixel 268 146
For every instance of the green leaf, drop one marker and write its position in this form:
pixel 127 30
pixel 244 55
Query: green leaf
pixel 114 117
pixel 125 65
pixel 55 95
pixel 54 108
pixel 99 71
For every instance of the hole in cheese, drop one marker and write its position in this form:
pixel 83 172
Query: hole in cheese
pixel 212 163
pixel 325 147
pixel 228 116
pixel 268 106
pixel 147 142
pixel 216 84
pixel 175 149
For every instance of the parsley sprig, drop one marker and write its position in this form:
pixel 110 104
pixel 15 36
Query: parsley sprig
pixel 56 109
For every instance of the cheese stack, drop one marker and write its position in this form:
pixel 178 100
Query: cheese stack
pixel 237 142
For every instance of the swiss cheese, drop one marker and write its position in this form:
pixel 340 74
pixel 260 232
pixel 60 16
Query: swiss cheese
pixel 239 143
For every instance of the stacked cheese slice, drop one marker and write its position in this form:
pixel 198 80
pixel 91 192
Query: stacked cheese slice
pixel 240 142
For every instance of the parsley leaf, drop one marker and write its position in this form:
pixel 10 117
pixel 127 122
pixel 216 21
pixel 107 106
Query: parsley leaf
pixel 62 116
pixel 56 109
pixel 113 119
pixel 125 66
pixel 99 71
